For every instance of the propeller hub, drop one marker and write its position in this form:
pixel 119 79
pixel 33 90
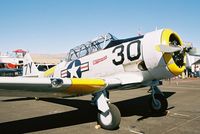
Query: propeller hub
pixel 174 61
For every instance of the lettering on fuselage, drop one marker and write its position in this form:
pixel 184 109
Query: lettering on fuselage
pixel 28 68
pixel 119 50
pixel 99 60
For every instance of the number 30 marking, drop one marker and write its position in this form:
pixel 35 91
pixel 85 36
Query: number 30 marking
pixel 121 52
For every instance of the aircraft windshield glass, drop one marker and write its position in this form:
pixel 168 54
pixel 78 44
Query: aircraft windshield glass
pixel 89 47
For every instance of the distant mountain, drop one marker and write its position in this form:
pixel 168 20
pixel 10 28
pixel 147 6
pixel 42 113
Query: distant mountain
pixel 48 58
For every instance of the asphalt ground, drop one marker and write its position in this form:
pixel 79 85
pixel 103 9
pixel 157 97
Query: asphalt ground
pixel 77 116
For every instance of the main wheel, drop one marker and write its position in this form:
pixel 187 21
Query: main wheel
pixel 159 105
pixel 111 120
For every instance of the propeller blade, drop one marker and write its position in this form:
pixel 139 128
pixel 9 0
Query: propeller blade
pixel 194 51
pixel 187 44
pixel 168 49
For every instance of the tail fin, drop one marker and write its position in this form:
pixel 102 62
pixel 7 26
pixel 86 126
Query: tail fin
pixel 29 68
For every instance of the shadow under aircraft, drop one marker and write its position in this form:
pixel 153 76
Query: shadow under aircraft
pixel 136 106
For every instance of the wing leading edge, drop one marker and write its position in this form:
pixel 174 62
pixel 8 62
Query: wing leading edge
pixel 54 86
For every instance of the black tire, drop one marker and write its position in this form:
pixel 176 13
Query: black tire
pixel 163 104
pixel 115 115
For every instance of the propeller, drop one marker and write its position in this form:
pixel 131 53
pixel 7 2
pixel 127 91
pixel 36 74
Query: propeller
pixel 178 51
pixel 167 48
pixel 185 48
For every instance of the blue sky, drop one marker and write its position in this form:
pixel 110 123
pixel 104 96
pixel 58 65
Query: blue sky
pixel 55 26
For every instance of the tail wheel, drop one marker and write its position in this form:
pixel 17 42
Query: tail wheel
pixel 159 105
pixel 111 120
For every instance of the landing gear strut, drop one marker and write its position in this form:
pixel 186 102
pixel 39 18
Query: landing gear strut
pixel 158 103
pixel 108 116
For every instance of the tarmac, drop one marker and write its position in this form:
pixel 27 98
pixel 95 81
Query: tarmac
pixel 77 116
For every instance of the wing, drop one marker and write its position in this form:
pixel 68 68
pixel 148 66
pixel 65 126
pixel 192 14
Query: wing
pixel 62 87
pixel 47 87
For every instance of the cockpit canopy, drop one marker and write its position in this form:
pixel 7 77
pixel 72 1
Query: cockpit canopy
pixel 89 47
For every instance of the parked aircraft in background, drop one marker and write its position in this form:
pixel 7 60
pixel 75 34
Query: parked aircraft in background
pixel 107 63
pixel 5 72
pixel 12 61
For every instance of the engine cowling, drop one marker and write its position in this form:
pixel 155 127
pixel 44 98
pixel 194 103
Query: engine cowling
pixel 162 65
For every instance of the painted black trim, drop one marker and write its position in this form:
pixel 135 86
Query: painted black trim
pixel 118 42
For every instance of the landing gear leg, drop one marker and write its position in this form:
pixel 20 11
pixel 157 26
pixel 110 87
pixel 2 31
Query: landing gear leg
pixel 108 116
pixel 158 102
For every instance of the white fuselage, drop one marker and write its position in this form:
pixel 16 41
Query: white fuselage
pixel 134 61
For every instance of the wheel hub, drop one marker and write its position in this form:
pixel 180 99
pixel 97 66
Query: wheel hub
pixel 156 104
